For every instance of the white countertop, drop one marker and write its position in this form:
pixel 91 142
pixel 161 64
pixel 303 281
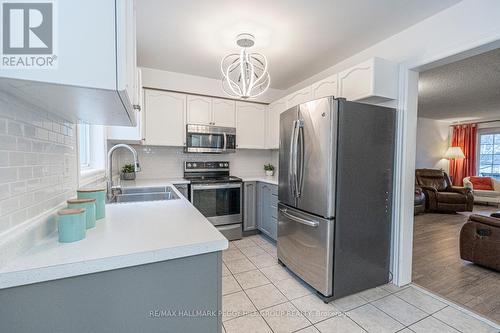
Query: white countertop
pixel 161 182
pixel 265 179
pixel 131 234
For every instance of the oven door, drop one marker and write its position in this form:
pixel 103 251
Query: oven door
pixel 219 203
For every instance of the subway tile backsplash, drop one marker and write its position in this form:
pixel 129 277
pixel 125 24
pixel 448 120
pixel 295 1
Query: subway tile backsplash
pixel 38 164
pixel 168 162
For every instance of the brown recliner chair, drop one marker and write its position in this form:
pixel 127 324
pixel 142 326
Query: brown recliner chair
pixel 419 201
pixel 441 195
pixel 480 241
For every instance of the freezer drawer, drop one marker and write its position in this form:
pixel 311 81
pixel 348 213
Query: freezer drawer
pixel 305 246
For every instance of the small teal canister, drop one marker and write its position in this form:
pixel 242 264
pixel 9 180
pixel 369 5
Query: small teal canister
pixel 88 205
pixel 71 224
pixel 99 195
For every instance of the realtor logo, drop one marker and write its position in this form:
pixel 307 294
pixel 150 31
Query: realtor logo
pixel 28 34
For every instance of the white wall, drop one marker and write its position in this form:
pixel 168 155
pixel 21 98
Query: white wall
pixel 433 137
pixel 168 162
pixel 155 78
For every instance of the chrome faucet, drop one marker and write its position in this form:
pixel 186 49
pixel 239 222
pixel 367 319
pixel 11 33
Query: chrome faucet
pixel 110 189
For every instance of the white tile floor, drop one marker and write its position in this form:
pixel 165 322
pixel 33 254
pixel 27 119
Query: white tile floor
pixel 259 295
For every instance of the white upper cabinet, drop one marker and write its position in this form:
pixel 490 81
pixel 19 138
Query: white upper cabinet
pixel 164 118
pixel 128 134
pixel 131 134
pixel 373 81
pixel 94 69
pixel 273 123
pixel 211 111
pixel 223 112
pixel 126 47
pixel 199 110
pixel 299 97
pixel 251 125
pixel 326 87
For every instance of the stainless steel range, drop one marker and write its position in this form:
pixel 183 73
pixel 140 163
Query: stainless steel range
pixel 217 195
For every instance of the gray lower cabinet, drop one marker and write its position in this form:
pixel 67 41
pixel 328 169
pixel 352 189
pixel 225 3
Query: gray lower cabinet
pixel 249 206
pixel 179 295
pixel 260 208
pixel 267 207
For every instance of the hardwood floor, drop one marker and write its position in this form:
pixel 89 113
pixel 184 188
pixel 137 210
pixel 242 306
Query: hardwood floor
pixel 437 265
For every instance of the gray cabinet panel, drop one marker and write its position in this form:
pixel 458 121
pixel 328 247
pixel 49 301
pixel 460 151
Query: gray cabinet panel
pixel 249 206
pixel 132 299
pixel 267 209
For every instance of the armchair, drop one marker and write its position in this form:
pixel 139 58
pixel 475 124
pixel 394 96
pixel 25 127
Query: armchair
pixel 441 195
pixel 479 239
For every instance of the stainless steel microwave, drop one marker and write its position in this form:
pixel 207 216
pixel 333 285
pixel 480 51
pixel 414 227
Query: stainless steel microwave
pixel 210 139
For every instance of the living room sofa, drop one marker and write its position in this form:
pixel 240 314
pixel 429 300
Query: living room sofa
pixel 485 196
pixel 480 239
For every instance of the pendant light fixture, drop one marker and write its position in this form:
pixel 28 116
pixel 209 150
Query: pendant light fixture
pixel 244 74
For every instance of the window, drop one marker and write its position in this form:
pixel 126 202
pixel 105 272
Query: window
pixel 489 153
pixel 84 145
pixel 91 152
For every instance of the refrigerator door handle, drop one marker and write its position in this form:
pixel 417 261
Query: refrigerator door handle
pixel 313 224
pixel 291 166
pixel 295 157
pixel 300 162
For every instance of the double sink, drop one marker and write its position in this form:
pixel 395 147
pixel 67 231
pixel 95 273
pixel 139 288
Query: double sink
pixel 140 194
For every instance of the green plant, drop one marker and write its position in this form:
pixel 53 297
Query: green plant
pixel 128 168
pixel 268 167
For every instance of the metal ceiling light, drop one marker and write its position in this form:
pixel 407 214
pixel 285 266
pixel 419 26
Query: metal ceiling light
pixel 244 74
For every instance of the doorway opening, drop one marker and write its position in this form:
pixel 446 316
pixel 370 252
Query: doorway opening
pixel 457 182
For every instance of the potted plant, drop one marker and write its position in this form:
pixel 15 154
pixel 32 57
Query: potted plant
pixel 128 172
pixel 269 168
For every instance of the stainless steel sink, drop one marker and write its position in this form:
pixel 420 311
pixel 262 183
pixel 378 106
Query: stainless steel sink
pixel 140 194
pixel 147 190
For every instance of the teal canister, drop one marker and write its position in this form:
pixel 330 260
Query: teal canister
pixel 89 206
pixel 99 195
pixel 71 225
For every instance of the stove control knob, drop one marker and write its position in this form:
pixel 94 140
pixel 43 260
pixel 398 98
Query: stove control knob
pixel 189 165
pixel 221 164
pixel 194 165
pixel 226 165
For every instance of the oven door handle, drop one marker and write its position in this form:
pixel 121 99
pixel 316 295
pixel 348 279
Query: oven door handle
pixel 214 186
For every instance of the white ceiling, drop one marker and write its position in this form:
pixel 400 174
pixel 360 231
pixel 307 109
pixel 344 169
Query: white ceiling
pixel 465 90
pixel 299 37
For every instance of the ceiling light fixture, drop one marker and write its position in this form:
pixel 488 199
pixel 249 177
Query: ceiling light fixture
pixel 245 74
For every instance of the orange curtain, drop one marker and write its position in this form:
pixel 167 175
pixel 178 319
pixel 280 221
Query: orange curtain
pixel 465 137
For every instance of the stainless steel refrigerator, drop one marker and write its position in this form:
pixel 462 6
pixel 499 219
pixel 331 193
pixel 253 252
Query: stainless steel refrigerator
pixel 335 192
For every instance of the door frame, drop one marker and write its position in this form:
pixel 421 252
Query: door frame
pixel 406 140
